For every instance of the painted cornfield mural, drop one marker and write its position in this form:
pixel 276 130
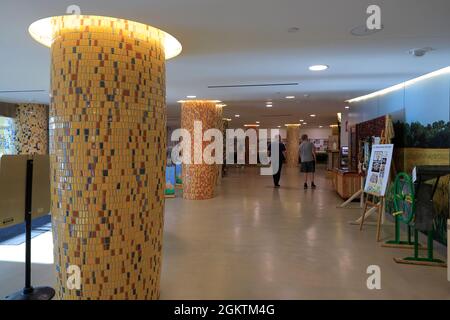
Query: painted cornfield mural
pixel 426 144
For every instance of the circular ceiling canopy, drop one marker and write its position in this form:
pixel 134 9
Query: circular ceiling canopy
pixel 45 30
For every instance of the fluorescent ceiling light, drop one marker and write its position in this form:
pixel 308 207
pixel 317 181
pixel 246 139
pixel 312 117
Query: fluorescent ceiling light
pixel 312 115
pixel 258 122
pixel 402 85
pixel 290 97
pixel 237 115
pixel 191 97
pixel 301 120
pixel 347 107
pixel 318 67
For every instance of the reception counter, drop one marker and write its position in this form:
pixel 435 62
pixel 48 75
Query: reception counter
pixel 346 182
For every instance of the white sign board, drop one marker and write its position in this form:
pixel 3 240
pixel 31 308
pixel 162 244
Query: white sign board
pixel 379 167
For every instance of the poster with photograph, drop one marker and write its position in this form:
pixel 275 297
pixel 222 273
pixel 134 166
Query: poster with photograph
pixel 379 168
pixel 7 136
pixel 178 174
pixel 170 182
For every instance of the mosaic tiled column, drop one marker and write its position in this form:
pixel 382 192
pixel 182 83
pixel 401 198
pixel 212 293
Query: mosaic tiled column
pixel 31 125
pixel 199 180
pixel 107 146
pixel 293 143
pixel 219 125
pixel 225 126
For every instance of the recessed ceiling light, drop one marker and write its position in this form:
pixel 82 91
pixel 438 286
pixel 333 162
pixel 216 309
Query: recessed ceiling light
pixel 420 52
pixel 236 115
pixel 290 97
pixel 320 126
pixel 312 115
pixel 293 29
pixel 318 67
pixel 362 30
pixel 304 123
pixel 191 97
pixel 279 126
pixel 301 120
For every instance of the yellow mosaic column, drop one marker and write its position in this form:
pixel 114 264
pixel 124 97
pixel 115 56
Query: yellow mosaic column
pixel 293 143
pixel 199 180
pixel 220 126
pixel 31 125
pixel 107 150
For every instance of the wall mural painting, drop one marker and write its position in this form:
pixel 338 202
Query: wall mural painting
pixel 426 144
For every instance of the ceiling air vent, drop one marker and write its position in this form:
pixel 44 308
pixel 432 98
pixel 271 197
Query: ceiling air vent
pixel 21 91
pixel 253 85
pixel 276 116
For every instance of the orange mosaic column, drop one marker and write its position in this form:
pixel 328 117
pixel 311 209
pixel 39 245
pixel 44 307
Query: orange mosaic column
pixel 107 150
pixel 220 126
pixel 199 180
pixel 31 124
pixel 293 143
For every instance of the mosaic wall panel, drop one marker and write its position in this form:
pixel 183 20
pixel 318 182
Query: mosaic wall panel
pixel 292 146
pixel 107 149
pixel 31 122
pixel 199 180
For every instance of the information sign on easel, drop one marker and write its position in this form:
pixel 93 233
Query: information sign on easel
pixel 378 174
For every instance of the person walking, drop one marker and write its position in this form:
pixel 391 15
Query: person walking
pixel 308 160
pixel 281 158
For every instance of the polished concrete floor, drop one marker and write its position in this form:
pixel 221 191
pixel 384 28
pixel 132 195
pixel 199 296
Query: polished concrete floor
pixel 256 242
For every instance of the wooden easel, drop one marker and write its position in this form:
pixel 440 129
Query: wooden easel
pixel 376 203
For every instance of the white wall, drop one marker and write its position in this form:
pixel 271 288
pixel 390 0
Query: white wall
pixel 313 133
pixel 426 101
pixel 316 133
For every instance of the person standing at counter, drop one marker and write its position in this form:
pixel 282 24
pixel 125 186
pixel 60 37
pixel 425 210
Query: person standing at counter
pixel 308 160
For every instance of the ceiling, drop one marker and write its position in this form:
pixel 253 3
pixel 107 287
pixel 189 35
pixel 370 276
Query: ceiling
pixel 227 42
